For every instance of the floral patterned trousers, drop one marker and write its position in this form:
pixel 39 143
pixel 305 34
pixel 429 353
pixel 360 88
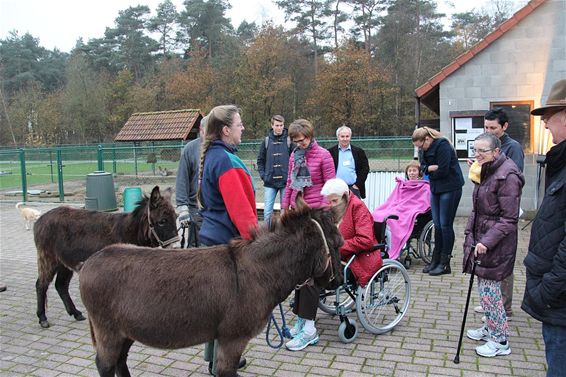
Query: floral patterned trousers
pixel 492 304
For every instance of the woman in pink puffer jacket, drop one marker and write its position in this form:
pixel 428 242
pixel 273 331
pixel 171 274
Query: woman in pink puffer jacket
pixel 310 166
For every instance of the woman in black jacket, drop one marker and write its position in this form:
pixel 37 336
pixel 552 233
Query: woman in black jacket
pixel 440 163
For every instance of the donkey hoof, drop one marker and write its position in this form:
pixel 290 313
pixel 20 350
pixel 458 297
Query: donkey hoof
pixel 79 316
pixel 44 324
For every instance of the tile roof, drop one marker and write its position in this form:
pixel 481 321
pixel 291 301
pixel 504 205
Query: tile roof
pixel 162 125
pixel 428 86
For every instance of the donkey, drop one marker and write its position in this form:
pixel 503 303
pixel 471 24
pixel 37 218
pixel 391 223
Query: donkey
pixel 179 299
pixel 65 237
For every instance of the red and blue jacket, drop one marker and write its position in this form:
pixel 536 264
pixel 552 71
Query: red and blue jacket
pixel 227 196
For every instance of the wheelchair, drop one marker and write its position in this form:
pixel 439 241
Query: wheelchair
pixel 421 241
pixel 380 305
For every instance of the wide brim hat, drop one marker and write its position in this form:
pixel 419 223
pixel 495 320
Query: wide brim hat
pixel 556 98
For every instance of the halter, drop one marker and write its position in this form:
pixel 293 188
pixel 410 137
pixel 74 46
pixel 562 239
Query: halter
pixel 309 281
pixel 163 244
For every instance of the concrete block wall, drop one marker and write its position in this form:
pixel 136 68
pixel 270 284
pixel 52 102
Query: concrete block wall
pixel 521 65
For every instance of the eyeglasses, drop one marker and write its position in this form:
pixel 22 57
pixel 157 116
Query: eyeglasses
pixel 298 141
pixel 549 114
pixel 481 151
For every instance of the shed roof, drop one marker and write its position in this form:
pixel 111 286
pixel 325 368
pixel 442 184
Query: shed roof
pixel 426 92
pixel 161 125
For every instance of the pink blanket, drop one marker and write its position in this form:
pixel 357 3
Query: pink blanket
pixel 408 199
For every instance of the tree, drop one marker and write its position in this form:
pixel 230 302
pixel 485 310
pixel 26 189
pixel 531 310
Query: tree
pixel 309 16
pixel 366 17
pixel 166 24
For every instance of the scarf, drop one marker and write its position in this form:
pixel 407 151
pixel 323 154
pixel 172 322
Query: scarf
pixel 475 173
pixel 555 159
pixel 301 176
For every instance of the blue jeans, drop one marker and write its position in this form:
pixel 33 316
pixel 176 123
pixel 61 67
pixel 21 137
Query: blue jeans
pixel 444 206
pixel 554 344
pixel 270 195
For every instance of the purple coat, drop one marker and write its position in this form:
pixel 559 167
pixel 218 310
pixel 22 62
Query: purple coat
pixel 321 168
pixel 493 221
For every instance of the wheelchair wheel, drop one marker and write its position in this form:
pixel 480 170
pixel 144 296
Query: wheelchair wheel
pixel 348 331
pixel 327 301
pixel 384 301
pixel 426 242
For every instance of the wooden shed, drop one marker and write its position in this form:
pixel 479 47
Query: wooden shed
pixel 179 125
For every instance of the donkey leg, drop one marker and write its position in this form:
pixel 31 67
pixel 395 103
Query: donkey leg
pixel 121 366
pixel 108 353
pixel 62 283
pixel 45 277
pixel 228 356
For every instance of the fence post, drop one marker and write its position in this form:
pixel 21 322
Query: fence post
pixel 60 175
pixel 51 165
pixel 100 157
pixel 114 158
pixel 24 174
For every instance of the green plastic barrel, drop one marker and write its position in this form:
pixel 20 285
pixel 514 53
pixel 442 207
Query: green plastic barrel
pixel 100 193
pixel 132 195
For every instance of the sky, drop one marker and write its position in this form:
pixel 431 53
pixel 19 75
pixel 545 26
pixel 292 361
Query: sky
pixel 59 23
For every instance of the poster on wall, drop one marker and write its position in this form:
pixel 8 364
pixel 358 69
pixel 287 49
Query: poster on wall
pixel 464 132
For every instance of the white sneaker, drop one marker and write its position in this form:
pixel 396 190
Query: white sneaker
pixel 478 334
pixel 299 324
pixel 478 309
pixel 491 349
pixel 302 341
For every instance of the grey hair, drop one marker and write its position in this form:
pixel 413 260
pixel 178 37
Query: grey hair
pixel 343 128
pixel 493 140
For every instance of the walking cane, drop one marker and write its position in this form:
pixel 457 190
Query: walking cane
pixel 476 262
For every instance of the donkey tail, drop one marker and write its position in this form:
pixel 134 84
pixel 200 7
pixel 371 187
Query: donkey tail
pixel 92 337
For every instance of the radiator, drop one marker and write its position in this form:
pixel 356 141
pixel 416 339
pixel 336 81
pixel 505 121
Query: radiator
pixel 379 185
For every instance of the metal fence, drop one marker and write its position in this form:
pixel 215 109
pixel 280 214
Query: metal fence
pixel 59 172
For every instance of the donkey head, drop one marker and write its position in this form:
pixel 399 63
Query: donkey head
pixel 157 210
pixel 327 269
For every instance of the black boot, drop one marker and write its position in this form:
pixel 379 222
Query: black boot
pixel 433 263
pixel 443 267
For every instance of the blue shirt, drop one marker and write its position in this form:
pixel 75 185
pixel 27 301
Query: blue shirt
pixel 346 169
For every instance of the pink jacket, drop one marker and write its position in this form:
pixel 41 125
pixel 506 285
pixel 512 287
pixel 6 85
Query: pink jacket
pixel 408 199
pixel 356 228
pixel 321 167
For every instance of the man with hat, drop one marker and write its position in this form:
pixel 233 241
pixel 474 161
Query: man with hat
pixel 545 291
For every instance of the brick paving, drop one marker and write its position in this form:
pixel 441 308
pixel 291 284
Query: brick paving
pixel 423 344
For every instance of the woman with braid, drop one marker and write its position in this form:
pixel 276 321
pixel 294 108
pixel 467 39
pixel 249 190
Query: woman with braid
pixel 226 190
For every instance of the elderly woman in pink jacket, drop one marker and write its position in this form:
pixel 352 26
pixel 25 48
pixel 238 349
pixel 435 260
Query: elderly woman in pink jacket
pixel 310 166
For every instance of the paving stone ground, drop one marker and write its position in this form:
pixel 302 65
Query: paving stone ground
pixel 423 344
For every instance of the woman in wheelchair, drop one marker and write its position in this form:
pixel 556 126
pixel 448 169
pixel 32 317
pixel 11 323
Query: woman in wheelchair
pixel 356 227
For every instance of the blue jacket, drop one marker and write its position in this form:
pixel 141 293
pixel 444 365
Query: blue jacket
pixel 449 176
pixel 273 160
pixel 227 196
pixel 513 150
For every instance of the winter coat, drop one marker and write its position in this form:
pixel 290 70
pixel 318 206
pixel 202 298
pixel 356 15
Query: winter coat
pixel 545 291
pixel 448 177
pixel 360 161
pixel 356 228
pixel 273 160
pixel 321 170
pixel 494 217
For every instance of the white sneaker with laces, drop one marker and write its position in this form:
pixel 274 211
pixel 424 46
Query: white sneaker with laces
pixel 492 349
pixel 299 324
pixel 478 309
pixel 302 341
pixel 478 334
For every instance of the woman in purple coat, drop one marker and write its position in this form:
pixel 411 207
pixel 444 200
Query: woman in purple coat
pixel 310 166
pixel 492 229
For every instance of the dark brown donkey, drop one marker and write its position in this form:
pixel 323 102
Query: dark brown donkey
pixel 65 237
pixel 179 299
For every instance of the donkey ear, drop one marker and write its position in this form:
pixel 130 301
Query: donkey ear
pixel 168 193
pixel 300 203
pixel 155 197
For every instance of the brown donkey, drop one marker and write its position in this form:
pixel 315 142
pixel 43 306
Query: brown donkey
pixel 65 237
pixel 179 299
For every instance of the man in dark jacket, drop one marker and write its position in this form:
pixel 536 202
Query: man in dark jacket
pixel 545 291
pixel 273 164
pixel 350 162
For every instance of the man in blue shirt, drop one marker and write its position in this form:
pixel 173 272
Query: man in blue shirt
pixel 351 162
